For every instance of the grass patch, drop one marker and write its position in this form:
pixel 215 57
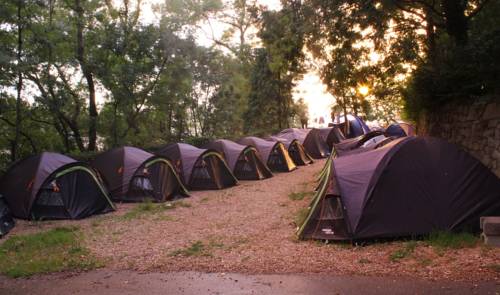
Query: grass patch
pixel 300 216
pixel 494 267
pixel 299 196
pixel 425 262
pixel 195 249
pixel 364 261
pixel 149 208
pixel 448 240
pixel 403 252
pixel 55 250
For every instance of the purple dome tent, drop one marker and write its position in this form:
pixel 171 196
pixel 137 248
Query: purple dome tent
pixel 274 153
pixel 53 186
pixel 409 187
pixel 199 168
pixel 295 149
pixel 331 135
pixel 134 175
pixel 244 161
pixel 311 139
pixel 357 126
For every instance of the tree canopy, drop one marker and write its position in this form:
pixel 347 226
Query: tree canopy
pixel 79 76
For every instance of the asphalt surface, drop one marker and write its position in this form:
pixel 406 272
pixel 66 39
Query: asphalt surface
pixel 130 282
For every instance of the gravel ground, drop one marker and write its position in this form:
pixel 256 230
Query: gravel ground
pixel 249 229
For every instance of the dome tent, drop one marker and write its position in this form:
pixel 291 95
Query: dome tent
pixel 331 135
pixel 400 129
pixel 295 149
pixel 134 175
pixel 311 139
pixel 274 153
pixel 244 161
pixel 6 220
pixel 409 187
pixel 359 144
pixel 357 126
pixel 199 168
pixel 53 186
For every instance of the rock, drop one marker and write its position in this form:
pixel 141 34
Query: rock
pixel 491 228
pixel 492 111
pixel 493 241
pixel 488 219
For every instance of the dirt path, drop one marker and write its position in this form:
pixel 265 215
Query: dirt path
pixel 127 282
pixel 250 229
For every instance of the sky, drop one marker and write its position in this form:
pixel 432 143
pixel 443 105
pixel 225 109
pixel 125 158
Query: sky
pixel 309 87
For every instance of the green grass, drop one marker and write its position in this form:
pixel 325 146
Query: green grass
pixel 199 248
pixel 58 249
pixel 448 240
pixel 364 261
pixel 494 267
pixel 299 196
pixel 300 216
pixel 403 252
pixel 195 249
pixel 150 208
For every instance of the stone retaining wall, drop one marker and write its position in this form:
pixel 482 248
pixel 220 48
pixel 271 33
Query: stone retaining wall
pixel 475 127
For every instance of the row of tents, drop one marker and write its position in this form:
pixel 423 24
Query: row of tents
pixel 378 184
pixel 55 186
pixel 390 183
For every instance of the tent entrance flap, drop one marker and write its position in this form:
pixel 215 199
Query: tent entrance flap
pixel 298 154
pixel 72 193
pixel 330 220
pixel 211 172
pixel 279 159
pixel 157 181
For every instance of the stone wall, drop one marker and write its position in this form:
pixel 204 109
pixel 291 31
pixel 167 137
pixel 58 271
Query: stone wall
pixel 475 127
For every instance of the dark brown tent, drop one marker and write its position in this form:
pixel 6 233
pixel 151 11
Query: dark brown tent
pixel 295 149
pixel 134 175
pixel 409 187
pixel 274 153
pixel 311 139
pixel 199 168
pixel 244 161
pixel 331 135
pixel 53 186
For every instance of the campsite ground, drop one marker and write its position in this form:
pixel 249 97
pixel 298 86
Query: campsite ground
pixel 250 230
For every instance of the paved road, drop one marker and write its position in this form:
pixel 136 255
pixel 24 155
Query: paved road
pixel 128 282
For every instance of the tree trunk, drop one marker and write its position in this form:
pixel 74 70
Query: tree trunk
pixel 346 121
pixel 80 53
pixel 114 125
pixel 15 146
pixel 431 36
pixel 456 21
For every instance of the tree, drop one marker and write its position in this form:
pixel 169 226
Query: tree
pixel 278 65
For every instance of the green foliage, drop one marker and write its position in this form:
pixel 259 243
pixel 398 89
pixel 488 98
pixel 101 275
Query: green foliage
pixel 300 195
pixel 55 250
pixel 195 249
pixel 494 267
pixel 301 216
pixel 405 251
pixel 148 208
pixel 154 83
pixel 276 68
pixel 449 240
